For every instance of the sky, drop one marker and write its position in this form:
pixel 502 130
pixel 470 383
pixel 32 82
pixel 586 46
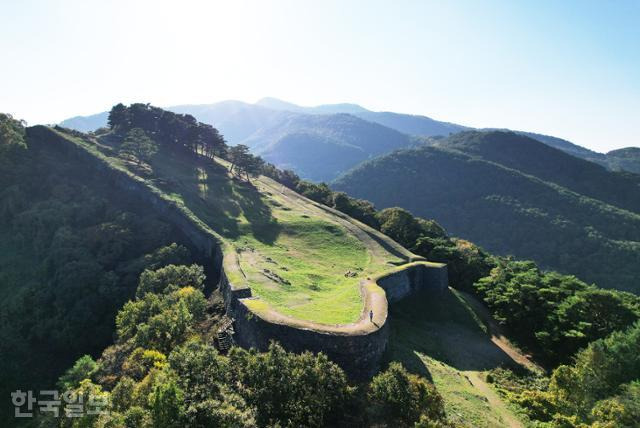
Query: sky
pixel 570 69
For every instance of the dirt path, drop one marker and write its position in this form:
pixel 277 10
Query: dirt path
pixel 497 334
pixel 496 403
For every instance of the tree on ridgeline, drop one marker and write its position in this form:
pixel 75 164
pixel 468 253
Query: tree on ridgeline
pixel 138 145
pixel 237 155
pixel 118 117
pixel 12 133
pixel 243 162
pixel 12 144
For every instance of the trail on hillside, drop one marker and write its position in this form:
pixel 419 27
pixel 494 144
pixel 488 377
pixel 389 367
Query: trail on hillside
pixel 493 399
pixel 497 334
pixel 451 341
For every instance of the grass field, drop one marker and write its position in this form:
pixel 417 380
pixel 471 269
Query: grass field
pixel 442 338
pixel 303 260
pixel 299 258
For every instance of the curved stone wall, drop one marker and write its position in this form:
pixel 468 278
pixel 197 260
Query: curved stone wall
pixel 357 348
pixel 358 353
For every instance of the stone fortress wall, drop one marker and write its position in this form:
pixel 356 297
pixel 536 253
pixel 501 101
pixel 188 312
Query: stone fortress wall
pixel 359 352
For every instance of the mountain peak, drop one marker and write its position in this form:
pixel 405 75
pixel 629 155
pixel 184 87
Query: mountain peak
pixel 278 104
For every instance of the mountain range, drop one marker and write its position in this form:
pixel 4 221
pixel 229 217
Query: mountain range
pixel 515 195
pixel 319 143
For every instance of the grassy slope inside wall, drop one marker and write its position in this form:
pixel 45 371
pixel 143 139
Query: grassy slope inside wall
pixel 304 261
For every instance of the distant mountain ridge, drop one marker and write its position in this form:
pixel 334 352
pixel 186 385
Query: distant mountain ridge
pixel 515 195
pixel 258 124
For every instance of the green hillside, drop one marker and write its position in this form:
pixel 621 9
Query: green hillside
pixel 320 147
pixel 627 159
pixel 299 258
pixel 71 251
pixel 549 164
pixel 507 211
pixel 294 255
pixel 82 237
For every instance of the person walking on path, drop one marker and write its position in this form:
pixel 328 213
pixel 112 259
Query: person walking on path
pixel 371 316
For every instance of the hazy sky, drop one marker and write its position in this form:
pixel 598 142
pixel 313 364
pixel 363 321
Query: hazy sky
pixel 565 68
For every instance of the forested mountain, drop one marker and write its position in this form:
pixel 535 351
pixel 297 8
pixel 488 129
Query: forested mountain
pixel 540 160
pixel 406 123
pixel 235 119
pixel 568 147
pixel 74 248
pixel 320 147
pixel 491 195
pixel 627 159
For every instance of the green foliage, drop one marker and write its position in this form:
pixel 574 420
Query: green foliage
pixel 203 374
pixel 196 386
pixel 161 321
pixel 400 225
pixel 167 408
pixel 601 387
pixel 138 145
pixel 622 410
pixel 587 226
pixel 313 394
pixel 84 368
pixel 71 251
pixel 12 134
pixel 286 177
pixel 175 131
pixel 12 144
pixel 169 278
pixel 554 314
pixel 316 192
pixel 357 208
pixel 552 165
pixel 402 399
pixel 244 162
pixel 140 361
pixel 118 116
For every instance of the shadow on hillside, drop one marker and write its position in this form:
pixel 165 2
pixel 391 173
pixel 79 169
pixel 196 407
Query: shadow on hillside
pixel 227 199
pixel 264 226
pixel 443 327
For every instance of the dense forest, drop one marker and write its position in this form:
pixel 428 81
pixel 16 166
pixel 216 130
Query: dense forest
pixel 508 210
pixel 162 372
pixel 85 264
pixel 71 251
pixel 531 157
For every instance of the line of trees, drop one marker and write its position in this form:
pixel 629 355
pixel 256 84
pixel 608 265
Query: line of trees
pixel 172 129
pixel 144 127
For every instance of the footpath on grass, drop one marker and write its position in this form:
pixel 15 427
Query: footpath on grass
pixel 454 343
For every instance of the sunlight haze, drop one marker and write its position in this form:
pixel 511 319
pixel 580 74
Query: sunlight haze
pixel 568 69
